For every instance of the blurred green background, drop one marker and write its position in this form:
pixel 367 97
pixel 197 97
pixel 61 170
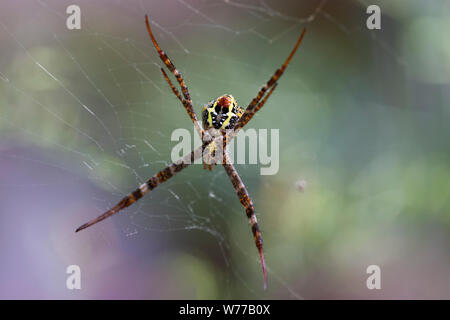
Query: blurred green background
pixel 85 117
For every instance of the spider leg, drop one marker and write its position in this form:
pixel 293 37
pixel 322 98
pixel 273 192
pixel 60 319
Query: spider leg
pixel 184 102
pixel 174 90
pixel 259 105
pixel 247 202
pixel 230 136
pixel 187 103
pixel 158 178
pixel 169 64
pixel 249 112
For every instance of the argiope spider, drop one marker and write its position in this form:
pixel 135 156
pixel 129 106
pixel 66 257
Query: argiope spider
pixel 220 114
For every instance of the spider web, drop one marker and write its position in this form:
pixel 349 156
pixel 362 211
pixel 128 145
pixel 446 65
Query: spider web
pixel 91 107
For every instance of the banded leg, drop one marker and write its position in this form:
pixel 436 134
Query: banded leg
pixel 247 202
pixel 230 136
pixel 278 73
pixel 259 105
pixel 227 137
pixel 187 97
pixel 197 125
pixel 151 184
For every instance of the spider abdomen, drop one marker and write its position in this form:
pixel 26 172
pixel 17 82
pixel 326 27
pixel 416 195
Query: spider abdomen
pixel 221 113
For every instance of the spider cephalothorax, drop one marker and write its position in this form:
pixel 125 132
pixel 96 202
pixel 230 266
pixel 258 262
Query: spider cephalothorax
pixel 221 113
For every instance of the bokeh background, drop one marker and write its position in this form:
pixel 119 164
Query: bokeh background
pixel 85 117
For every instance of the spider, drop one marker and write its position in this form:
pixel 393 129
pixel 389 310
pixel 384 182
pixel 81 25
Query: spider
pixel 222 114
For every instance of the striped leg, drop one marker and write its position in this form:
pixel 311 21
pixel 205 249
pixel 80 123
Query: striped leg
pixel 247 202
pixel 187 97
pixel 249 112
pixel 197 125
pixel 259 105
pixel 154 181
pixel 230 136
pixel 151 184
